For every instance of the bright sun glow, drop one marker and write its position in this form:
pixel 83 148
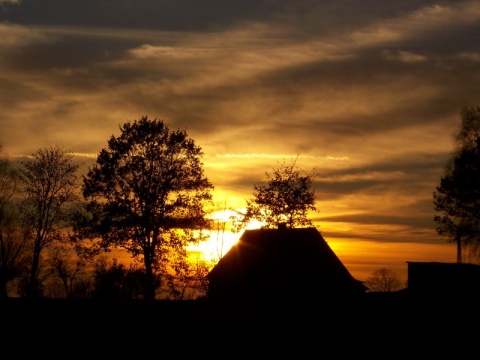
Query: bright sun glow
pixel 221 238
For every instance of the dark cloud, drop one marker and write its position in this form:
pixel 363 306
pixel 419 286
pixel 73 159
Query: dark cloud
pixel 191 15
pixel 367 92
pixel 410 221
pixel 67 52
pixel 180 15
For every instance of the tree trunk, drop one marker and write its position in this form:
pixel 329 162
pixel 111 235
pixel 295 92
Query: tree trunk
pixel 33 288
pixel 149 291
pixel 459 250
pixel 3 284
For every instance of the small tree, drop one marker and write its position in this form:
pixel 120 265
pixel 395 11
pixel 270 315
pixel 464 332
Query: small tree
pixel 146 188
pixel 49 186
pixel 457 197
pixel 68 269
pixel 186 277
pixel 286 197
pixel 116 281
pixel 8 181
pixel 13 249
pixel 383 280
pixel 220 220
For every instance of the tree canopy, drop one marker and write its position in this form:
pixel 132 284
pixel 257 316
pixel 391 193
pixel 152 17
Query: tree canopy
pixel 457 197
pixel 285 197
pixel 146 187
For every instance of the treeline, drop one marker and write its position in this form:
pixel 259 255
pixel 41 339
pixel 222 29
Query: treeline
pixel 147 195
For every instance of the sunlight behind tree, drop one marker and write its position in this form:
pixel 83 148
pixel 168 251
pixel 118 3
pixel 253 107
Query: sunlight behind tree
pixel 222 237
pixel 286 197
pixel 147 193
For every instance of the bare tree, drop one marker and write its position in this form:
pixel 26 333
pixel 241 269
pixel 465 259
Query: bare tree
pixel 49 185
pixel 13 244
pixel 187 278
pixel 219 228
pixel 200 281
pixel 15 252
pixel 383 280
pixel 8 181
pixel 68 268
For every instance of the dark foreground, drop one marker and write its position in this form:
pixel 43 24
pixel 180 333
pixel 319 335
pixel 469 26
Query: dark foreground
pixel 378 327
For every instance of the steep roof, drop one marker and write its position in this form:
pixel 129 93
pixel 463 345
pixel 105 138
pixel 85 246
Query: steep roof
pixel 281 260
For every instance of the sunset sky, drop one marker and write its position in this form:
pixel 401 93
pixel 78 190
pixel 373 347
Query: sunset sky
pixel 367 92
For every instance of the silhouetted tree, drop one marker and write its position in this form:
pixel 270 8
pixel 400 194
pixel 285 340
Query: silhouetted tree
pixel 145 189
pixel 8 181
pixel 13 244
pixel 219 228
pixel 471 253
pixel 117 282
pixel 383 280
pixel 49 185
pixel 186 277
pixel 457 197
pixel 286 197
pixel 68 269
pixel 178 277
pixel 15 254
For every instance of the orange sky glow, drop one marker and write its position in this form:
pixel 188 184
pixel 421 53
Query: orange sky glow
pixel 361 256
pixel 370 99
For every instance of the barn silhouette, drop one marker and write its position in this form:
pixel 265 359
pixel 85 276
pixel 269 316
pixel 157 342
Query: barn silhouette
pixel 282 264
